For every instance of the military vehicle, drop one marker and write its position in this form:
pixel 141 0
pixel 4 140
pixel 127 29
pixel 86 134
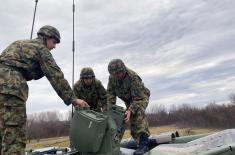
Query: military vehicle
pixel 101 133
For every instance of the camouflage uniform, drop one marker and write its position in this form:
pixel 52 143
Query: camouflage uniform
pixel 95 94
pixel 133 92
pixel 12 125
pixel 22 61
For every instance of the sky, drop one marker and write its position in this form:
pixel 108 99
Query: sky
pixel 183 50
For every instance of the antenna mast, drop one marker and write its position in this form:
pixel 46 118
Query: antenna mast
pixel 36 2
pixel 73 50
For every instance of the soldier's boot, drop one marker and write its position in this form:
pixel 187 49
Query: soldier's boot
pixel 152 143
pixel 143 145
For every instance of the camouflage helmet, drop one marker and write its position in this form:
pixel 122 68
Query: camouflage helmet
pixel 115 66
pixel 50 31
pixel 87 72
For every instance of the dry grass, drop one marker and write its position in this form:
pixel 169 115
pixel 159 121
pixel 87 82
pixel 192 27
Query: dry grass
pixel 57 141
pixel 64 141
pixel 181 131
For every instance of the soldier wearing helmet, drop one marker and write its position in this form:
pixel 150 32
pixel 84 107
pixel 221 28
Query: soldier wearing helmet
pixel 22 61
pixel 128 86
pixel 91 90
pixel 49 32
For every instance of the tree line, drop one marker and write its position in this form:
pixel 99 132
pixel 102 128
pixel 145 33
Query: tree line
pixel 47 124
pixel 214 115
pixel 51 124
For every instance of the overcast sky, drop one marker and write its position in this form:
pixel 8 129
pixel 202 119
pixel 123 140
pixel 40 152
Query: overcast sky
pixel 182 49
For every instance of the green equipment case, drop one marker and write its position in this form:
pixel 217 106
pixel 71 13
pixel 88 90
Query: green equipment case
pixel 87 130
pixel 114 132
pixel 98 133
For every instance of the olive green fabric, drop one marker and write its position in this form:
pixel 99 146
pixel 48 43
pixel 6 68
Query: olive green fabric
pixel 25 60
pixel 12 125
pixel 115 66
pixel 22 61
pixel 136 97
pixel 50 31
pixel 87 72
pixel 131 90
pixel 95 95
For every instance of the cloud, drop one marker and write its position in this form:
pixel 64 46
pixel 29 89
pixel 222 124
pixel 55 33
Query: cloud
pixel 183 50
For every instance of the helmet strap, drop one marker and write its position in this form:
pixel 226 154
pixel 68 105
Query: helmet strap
pixel 44 40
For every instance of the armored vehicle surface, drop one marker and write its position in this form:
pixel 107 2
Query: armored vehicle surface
pixel 101 133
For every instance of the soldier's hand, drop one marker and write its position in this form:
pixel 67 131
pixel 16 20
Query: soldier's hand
pixel 78 103
pixel 128 115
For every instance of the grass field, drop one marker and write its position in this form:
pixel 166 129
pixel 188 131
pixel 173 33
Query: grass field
pixel 64 141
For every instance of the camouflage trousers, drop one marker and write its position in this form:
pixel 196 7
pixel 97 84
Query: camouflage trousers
pixel 139 124
pixel 12 125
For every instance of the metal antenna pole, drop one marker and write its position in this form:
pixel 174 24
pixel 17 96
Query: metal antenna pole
pixel 73 49
pixel 36 2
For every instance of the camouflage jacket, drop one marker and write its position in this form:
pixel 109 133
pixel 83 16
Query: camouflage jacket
pixel 25 60
pixel 131 90
pixel 95 95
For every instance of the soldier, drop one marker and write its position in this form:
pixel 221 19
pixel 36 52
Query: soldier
pixel 91 90
pixel 22 61
pixel 128 86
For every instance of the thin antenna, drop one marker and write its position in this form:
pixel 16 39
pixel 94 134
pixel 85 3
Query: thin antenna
pixel 73 49
pixel 36 2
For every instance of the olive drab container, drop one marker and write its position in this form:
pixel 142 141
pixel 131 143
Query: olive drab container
pixel 117 114
pixel 87 130
pixel 114 132
pixel 97 133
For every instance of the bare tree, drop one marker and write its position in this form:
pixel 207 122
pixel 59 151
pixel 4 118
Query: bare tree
pixel 232 98
pixel 213 115
pixel 47 124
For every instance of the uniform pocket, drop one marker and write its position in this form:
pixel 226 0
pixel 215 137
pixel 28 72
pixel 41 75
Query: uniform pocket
pixel 14 115
pixel 12 82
